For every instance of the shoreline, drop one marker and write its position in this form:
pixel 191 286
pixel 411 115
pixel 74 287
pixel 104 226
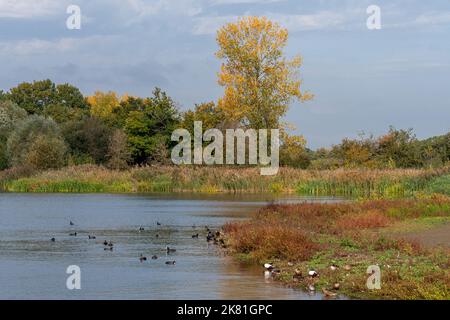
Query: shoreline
pixel 341 249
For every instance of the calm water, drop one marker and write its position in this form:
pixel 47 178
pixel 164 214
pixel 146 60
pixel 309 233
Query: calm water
pixel 33 267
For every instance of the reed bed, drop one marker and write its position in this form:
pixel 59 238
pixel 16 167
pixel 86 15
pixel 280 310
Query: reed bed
pixel 341 182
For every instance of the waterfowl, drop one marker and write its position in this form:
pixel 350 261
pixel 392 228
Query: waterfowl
pixel 195 235
pixel 170 250
pixel 141 229
pixel 336 286
pixel 328 293
pixel 311 287
pixel 154 257
pixel 105 243
pixel 71 223
pixel 209 237
pixel 333 267
pixel 108 248
pixel 268 266
pixel 110 244
pixel 142 258
pixel 73 234
pixel 313 274
pixel 171 262
pixel 92 237
pixel 157 236
pixel 157 223
pixel 52 239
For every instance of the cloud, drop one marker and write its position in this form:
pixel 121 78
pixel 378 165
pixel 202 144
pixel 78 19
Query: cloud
pixel 293 22
pixel 29 8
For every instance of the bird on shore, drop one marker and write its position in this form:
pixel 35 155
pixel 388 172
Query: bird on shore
pixel 142 258
pixel 209 237
pixel 268 266
pixel 73 234
pixel 329 293
pixel 195 236
pixel 171 262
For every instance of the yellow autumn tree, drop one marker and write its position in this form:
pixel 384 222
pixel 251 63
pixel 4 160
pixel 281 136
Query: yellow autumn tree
pixel 259 81
pixel 103 104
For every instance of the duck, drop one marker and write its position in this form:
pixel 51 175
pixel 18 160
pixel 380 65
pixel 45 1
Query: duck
pixel 158 223
pixel 329 293
pixel 209 237
pixel 73 234
pixel 171 262
pixel 268 266
pixel 92 237
pixel 71 223
pixel 170 250
pixel 154 257
pixel 313 273
pixel 141 229
pixel 52 239
pixel 157 236
pixel 195 236
pixel 105 243
pixel 142 258
pixel 108 248
pixel 110 244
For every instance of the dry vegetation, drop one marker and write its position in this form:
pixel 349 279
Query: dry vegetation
pixel 315 236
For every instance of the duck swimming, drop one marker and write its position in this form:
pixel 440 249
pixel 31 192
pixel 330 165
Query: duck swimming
pixel 142 258
pixel 73 234
pixel 52 239
pixel 154 257
pixel 91 237
pixel 171 262
pixel 195 235
pixel 170 250
pixel 71 223
pixel 105 243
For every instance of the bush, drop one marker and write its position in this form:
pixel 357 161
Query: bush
pixel 31 134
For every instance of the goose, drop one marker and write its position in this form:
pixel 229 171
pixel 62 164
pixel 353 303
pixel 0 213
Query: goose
pixel 73 234
pixel 142 258
pixel 92 237
pixel 154 257
pixel 195 235
pixel 52 239
pixel 171 262
pixel 170 250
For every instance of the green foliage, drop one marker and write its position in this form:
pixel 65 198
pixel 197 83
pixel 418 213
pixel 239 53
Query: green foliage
pixel 36 96
pixel 118 151
pixel 10 113
pixel 31 141
pixel 150 129
pixel 88 136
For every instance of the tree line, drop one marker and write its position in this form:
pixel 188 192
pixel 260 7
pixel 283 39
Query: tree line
pixel 46 125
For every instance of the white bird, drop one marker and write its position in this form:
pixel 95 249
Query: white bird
pixel 313 273
pixel 268 266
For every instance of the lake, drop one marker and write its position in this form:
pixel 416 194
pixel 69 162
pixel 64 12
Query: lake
pixel 34 267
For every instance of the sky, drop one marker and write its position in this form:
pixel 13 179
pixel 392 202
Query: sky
pixel 363 80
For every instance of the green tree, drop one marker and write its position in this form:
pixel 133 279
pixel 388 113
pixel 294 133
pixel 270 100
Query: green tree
pixel 150 128
pixel 27 137
pixel 88 138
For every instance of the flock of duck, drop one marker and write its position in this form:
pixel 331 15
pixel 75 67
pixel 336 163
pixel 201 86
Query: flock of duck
pixel 211 236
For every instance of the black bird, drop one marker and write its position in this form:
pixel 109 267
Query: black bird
pixel 108 248
pixel 142 258
pixel 209 237
pixel 157 235
pixel 110 244
pixel 154 257
pixel 195 236
pixel 73 234
pixel 71 223
pixel 105 243
pixel 141 229
pixel 52 239
pixel 171 262
pixel 158 224
pixel 170 250
pixel 92 237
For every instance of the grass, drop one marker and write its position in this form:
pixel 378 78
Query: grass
pixel 352 236
pixel 341 182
